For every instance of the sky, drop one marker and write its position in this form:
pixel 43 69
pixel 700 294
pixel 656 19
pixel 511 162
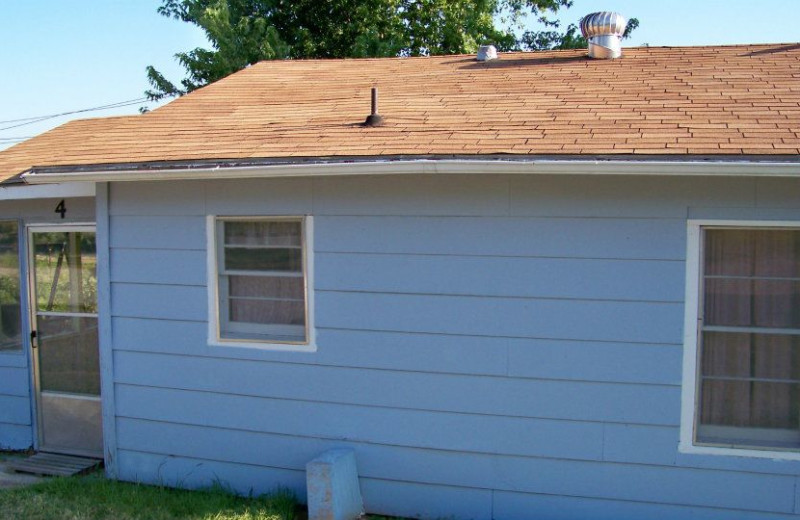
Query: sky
pixel 59 56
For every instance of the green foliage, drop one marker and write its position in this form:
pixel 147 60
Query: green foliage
pixel 571 38
pixel 66 294
pixel 73 272
pixel 239 32
pixel 243 32
pixel 96 498
pixel 9 289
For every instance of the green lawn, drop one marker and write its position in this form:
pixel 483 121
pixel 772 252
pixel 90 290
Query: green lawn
pixel 93 497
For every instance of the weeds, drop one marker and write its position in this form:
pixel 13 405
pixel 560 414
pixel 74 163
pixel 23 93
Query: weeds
pixel 94 497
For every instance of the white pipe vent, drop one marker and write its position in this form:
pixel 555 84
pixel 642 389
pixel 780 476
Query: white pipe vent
pixel 604 32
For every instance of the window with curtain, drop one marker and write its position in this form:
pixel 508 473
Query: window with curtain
pixel 261 279
pixel 749 358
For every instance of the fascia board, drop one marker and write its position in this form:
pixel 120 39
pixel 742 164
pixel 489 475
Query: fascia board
pixel 432 166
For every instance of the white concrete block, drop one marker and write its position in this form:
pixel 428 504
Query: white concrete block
pixel 332 482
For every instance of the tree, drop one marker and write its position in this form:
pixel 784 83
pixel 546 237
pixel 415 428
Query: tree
pixel 243 32
pixel 571 38
pixel 239 31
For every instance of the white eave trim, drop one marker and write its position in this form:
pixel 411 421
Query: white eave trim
pixel 47 191
pixel 434 166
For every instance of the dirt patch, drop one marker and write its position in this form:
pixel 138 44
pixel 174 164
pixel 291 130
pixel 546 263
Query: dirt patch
pixel 10 479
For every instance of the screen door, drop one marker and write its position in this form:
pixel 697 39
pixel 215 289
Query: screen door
pixel 64 338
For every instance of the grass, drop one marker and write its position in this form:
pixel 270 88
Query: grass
pixel 94 497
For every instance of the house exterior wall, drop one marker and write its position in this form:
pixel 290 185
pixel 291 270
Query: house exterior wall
pixel 17 423
pixel 16 427
pixel 490 346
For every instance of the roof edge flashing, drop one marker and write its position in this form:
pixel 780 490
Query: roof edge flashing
pixel 741 168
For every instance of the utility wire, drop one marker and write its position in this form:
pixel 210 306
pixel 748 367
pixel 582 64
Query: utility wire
pixel 31 120
pixel 101 107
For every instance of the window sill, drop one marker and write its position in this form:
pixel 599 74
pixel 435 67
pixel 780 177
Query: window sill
pixel 263 345
pixel 694 449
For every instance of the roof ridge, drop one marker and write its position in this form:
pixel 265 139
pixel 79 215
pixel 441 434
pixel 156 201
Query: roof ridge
pixel 518 53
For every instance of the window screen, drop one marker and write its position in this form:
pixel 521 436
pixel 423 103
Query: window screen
pixel 261 282
pixel 749 381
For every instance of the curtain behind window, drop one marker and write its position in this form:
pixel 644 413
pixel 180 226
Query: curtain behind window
pixel 749 344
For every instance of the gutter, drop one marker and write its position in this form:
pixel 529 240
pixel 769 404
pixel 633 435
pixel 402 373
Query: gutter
pixel 741 168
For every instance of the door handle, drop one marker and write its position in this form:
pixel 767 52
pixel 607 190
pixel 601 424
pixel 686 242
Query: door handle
pixel 34 340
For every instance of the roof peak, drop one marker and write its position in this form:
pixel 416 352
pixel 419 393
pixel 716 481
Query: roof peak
pixel 581 51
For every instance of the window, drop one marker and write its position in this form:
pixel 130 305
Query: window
pixel 10 317
pixel 747 349
pixel 261 270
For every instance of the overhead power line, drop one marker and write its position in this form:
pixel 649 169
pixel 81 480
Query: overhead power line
pixel 37 119
pixel 101 107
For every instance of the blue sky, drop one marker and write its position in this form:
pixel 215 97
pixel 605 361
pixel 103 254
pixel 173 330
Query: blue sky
pixel 63 55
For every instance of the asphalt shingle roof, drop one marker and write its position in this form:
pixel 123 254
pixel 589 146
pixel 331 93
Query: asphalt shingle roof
pixel 719 101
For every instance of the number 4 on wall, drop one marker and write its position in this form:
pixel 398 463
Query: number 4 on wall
pixel 61 208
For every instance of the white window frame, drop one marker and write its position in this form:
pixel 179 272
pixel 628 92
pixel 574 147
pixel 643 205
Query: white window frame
pixel 212 245
pixel 691 335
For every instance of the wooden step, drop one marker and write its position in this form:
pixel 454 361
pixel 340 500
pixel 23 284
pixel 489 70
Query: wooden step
pixel 53 464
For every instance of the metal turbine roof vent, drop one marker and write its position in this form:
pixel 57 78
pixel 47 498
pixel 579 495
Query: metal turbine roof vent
pixel 604 31
pixel 486 53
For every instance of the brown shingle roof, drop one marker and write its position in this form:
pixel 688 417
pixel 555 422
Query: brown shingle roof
pixel 731 100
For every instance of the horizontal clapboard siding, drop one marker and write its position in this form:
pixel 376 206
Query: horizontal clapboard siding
pixel 380 496
pixel 504 473
pixel 15 410
pixel 15 437
pixel 521 358
pixel 502 276
pixel 431 430
pixel 245 478
pixel 392 497
pixel 433 196
pixel 635 322
pixel 625 280
pixel 164 302
pixel 512 506
pixel 397 351
pixel 607 238
pixel 595 361
pixel 377 425
pixel 157 232
pixel 491 347
pixel 13 359
pixel 14 381
pixel 626 196
pixel 570 400
pixel 511 317
pixel 177 267
pixel 16 430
